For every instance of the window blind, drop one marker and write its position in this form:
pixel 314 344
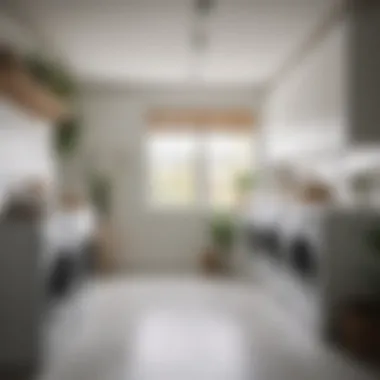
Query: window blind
pixel 236 120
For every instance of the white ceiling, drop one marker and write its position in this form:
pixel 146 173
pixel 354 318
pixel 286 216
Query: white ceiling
pixel 149 41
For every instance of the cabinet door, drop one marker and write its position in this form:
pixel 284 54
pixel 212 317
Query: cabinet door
pixel 364 62
pixel 21 294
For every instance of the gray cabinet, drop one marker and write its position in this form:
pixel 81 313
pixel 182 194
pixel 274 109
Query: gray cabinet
pixel 21 296
pixel 364 72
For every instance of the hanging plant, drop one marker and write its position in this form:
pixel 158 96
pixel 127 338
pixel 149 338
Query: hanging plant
pixel 66 136
pixel 54 77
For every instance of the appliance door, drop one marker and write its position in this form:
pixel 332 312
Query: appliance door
pixel 303 258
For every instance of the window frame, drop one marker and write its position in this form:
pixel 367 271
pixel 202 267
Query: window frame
pixel 202 202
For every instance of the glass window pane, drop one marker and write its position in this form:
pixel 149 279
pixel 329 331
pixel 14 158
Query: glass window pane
pixel 228 156
pixel 171 162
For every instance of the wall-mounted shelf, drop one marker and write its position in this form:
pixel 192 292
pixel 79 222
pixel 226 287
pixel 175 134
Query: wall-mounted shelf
pixel 19 86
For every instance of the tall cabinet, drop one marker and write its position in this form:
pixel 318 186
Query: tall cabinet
pixel 364 73
pixel 27 114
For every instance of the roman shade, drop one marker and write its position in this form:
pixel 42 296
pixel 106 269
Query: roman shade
pixel 237 120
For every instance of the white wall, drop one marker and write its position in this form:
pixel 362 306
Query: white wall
pixel 114 141
pixel 305 115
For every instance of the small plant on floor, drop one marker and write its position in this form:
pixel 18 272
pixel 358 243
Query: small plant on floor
pixel 223 232
pixel 222 238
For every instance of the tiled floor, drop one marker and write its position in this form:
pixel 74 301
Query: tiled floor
pixel 184 329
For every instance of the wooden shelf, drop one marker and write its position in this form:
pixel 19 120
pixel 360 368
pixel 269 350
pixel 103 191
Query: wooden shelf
pixel 18 85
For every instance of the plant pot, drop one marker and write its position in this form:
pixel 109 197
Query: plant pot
pixel 211 261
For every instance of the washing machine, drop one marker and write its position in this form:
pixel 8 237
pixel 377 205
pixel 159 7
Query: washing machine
pixel 263 227
pixel 304 241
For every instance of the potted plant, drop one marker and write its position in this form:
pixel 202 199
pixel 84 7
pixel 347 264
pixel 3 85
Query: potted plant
pixel 223 232
pixel 222 236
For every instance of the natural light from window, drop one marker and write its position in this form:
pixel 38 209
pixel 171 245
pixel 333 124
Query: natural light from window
pixel 171 165
pixel 227 157
pixel 189 170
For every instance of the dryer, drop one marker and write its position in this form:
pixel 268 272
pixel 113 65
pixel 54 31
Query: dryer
pixel 323 261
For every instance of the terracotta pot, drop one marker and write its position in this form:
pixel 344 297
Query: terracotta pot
pixel 211 261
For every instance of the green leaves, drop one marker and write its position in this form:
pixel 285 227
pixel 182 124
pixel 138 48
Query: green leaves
pixel 66 136
pixel 223 232
pixel 54 77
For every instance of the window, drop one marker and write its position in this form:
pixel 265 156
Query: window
pixel 188 170
pixel 228 156
pixel 171 165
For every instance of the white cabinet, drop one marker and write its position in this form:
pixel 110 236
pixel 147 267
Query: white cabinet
pixel 305 114
pixel 26 150
pixel 327 108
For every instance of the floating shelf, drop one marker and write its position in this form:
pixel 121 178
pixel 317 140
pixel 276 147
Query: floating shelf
pixel 19 86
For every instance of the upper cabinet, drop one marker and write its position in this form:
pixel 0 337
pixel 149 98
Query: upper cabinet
pixel 305 113
pixel 364 72
pixel 330 100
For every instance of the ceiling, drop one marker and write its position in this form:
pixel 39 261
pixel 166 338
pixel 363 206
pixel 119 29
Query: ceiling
pixel 150 41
